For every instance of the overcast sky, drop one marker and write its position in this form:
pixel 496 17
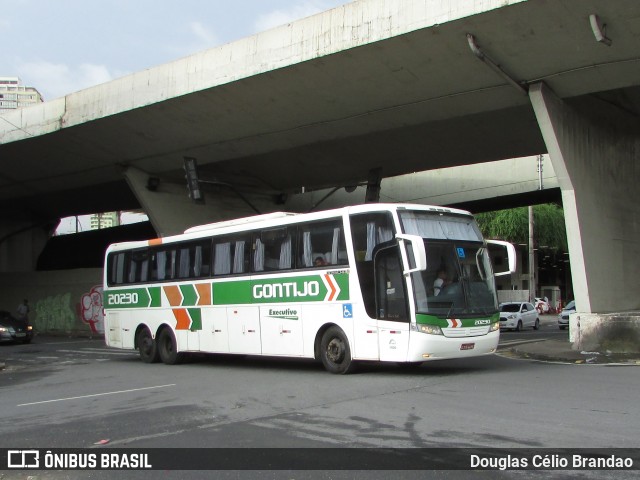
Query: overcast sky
pixel 62 46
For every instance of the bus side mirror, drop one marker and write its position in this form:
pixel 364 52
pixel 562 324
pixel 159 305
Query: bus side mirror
pixel 511 255
pixel 419 252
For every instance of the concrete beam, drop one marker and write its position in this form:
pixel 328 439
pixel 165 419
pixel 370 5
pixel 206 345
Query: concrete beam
pixel 594 150
pixel 442 186
pixel 171 211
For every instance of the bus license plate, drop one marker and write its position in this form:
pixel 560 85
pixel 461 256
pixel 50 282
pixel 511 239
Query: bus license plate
pixel 467 346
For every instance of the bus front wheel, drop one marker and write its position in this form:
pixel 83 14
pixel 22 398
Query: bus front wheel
pixel 168 348
pixel 147 346
pixel 335 352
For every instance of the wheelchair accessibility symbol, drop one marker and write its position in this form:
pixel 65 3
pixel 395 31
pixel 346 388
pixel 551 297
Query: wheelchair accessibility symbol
pixel 347 310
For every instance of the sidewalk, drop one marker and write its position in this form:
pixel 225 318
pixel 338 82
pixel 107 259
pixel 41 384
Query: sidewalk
pixel 561 351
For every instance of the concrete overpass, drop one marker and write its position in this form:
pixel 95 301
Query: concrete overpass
pixel 400 85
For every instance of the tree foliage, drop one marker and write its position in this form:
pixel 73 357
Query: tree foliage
pixel 513 225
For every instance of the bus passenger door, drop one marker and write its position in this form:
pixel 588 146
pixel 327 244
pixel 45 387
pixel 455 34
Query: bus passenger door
pixel 391 305
pixel 214 336
pixel 244 330
pixel 281 330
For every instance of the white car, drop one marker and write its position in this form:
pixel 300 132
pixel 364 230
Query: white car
pixel 518 315
pixel 563 318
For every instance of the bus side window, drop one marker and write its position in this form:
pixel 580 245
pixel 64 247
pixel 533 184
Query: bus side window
pixel 321 243
pixel 273 250
pixel 241 254
pixel 138 270
pixel 183 263
pixel 116 268
pixel 231 255
pixel 158 262
pixel 222 258
pixel 202 260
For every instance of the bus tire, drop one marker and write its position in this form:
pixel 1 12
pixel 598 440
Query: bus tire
pixel 147 346
pixel 168 348
pixel 335 352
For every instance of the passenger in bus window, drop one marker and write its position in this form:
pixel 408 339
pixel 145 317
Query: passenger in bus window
pixel 319 262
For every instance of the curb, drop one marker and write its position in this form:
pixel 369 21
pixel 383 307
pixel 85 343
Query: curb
pixel 571 357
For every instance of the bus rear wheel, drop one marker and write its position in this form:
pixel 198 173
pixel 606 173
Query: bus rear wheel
pixel 335 352
pixel 168 348
pixel 147 346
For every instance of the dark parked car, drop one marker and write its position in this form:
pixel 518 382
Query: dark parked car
pixel 14 330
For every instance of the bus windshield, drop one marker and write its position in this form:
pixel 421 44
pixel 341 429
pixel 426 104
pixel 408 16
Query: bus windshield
pixel 458 281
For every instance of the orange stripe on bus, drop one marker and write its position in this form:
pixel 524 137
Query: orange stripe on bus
pixel 183 321
pixel 332 287
pixel 173 295
pixel 155 241
pixel 204 291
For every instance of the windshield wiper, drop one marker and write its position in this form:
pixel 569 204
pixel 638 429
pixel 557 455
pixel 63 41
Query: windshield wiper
pixel 449 312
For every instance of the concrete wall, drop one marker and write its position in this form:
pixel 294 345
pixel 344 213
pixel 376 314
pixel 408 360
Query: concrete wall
pixel 21 241
pixel 62 302
pixel 611 333
pixel 513 296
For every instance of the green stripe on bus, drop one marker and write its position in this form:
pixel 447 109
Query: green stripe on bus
pixel 196 318
pixel 189 295
pixel 129 298
pixel 311 288
pixel 423 319
pixel 156 296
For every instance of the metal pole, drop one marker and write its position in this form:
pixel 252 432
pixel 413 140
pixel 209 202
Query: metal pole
pixel 540 165
pixel 532 259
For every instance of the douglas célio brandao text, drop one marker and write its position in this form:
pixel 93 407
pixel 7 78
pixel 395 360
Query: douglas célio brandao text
pixel 551 461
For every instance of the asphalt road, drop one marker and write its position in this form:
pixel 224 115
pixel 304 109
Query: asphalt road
pixel 78 393
pixel 548 330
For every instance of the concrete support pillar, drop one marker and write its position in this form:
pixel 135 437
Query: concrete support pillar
pixel 171 211
pixel 595 150
pixel 21 242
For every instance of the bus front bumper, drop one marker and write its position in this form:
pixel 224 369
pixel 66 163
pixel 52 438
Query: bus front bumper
pixel 424 347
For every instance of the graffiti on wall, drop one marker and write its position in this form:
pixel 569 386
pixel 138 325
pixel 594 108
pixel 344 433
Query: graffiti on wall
pixel 55 313
pixel 91 309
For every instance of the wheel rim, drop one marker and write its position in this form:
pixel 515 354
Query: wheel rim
pixel 335 351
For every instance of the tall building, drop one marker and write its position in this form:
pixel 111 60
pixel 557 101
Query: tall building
pixel 105 220
pixel 13 94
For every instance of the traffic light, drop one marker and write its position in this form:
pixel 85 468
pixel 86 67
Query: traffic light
pixel 193 183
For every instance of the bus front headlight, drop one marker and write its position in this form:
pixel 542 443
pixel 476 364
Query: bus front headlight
pixel 430 329
pixel 495 326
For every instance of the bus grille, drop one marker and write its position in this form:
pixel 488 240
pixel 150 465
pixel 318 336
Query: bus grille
pixel 465 332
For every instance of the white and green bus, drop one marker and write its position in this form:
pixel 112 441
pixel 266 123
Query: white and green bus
pixel 375 282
